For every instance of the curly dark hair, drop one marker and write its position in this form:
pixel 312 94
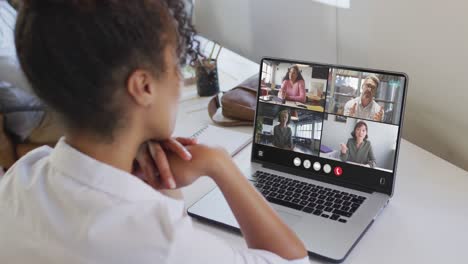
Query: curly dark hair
pixel 78 54
pixel 299 74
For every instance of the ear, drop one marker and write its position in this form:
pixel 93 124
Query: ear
pixel 141 86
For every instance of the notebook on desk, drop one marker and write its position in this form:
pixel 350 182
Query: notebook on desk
pixel 216 136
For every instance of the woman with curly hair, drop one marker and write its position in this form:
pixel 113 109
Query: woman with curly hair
pixel 107 192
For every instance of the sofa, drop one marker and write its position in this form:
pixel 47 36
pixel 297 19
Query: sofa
pixel 10 149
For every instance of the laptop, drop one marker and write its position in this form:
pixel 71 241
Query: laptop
pixel 325 151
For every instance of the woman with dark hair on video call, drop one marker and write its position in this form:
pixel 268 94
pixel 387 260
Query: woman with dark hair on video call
pixel 293 86
pixel 359 148
pixel 282 133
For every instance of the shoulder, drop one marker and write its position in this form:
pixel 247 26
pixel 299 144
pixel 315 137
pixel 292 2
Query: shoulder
pixel 350 102
pixel 24 174
pixel 32 158
pixel 375 106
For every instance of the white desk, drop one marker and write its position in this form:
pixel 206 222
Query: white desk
pixel 425 222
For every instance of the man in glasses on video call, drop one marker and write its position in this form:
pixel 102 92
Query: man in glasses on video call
pixel 365 106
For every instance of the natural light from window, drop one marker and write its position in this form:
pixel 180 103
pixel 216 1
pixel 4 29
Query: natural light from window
pixel 337 3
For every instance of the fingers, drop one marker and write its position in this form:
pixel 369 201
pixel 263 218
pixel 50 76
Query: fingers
pixel 344 148
pixel 160 159
pixel 352 111
pixel 176 147
pixel 378 116
pixel 186 141
pixel 154 164
pixel 146 169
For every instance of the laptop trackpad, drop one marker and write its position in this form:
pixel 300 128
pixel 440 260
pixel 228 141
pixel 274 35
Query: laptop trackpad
pixel 213 206
pixel 289 219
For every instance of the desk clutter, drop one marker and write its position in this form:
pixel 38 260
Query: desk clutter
pixel 206 69
pixel 236 107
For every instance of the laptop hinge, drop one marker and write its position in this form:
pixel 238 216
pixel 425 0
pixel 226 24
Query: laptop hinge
pixel 317 177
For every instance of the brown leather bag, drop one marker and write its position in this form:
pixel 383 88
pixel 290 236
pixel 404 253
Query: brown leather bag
pixel 238 104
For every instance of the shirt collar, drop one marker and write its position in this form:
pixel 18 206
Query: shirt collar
pixel 89 171
pixel 365 107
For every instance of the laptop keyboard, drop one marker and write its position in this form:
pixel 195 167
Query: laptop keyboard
pixel 310 198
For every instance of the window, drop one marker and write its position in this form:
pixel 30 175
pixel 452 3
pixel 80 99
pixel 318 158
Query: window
pixel 304 131
pixel 312 131
pixel 266 72
pixel 318 131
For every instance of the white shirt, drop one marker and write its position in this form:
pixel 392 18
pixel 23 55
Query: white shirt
pixel 61 206
pixel 367 112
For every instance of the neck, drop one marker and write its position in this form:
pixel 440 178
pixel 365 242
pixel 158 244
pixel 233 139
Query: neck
pixel 119 153
pixel 365 101
pixel 359 141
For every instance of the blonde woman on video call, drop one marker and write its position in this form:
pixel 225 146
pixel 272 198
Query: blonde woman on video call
pixel 282 133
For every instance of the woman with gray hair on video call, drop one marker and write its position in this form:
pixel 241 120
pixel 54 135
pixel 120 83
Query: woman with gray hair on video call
pixel 282 133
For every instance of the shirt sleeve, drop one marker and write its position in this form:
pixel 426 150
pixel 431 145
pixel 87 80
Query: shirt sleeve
pixel 371 157
pixel 283 88
pixel 275 136
pixel 290 140
pixel 344 157
pixel 196 246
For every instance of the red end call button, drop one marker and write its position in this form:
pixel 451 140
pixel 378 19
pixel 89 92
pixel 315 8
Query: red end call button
pixel 338 171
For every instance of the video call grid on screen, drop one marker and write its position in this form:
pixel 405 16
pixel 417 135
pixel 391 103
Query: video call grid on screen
pixel 323 106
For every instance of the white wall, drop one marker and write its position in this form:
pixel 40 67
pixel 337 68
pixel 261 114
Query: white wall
pixel 429 41
pixel 280 28
pixel 426 39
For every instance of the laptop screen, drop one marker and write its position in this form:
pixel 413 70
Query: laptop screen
pixel 332 122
